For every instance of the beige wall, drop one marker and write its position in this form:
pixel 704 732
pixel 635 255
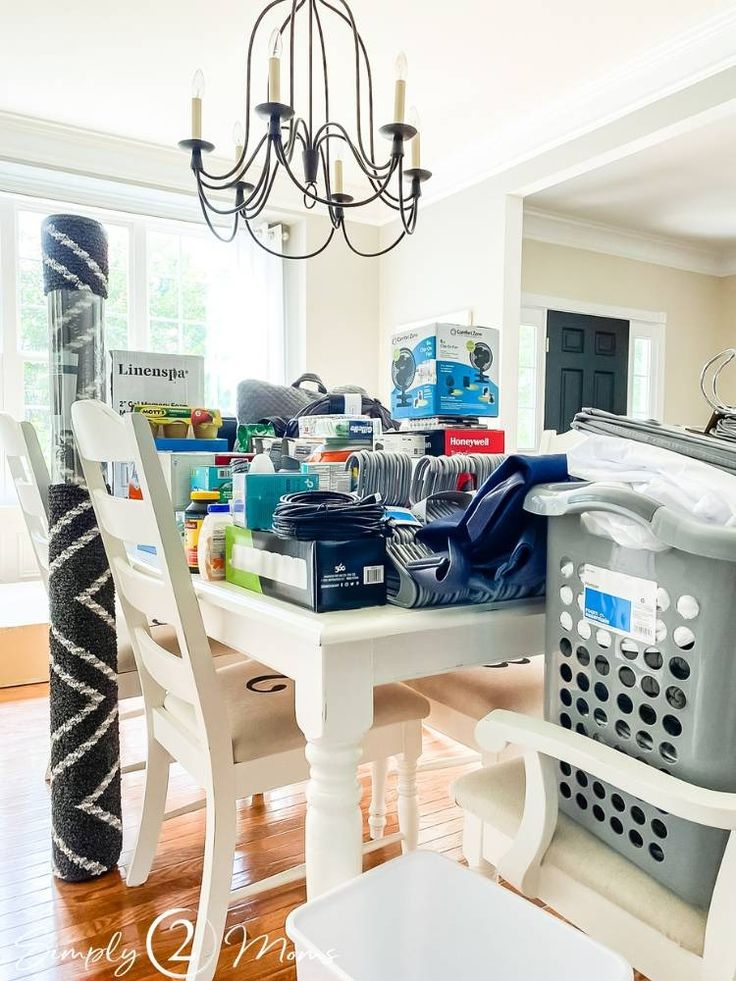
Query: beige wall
pixel 697 308
pixel 332 306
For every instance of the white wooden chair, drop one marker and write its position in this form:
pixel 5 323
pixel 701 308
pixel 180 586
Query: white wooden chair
pixel 460 699
pixel 512 825
pixel 30 475
pixel 233 740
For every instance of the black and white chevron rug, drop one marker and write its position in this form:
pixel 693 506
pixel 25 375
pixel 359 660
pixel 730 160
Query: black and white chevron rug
pixel 85 744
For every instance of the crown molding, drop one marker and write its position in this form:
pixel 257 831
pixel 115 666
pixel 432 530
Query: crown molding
pixel 626 243
pixel 48 159
pixel 674 65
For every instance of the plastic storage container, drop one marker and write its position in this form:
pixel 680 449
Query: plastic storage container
pixel 423 917
pixel 193 518
pixel 211 542
pixel 641 655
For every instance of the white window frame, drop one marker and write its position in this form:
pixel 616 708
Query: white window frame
pixel 14 563
pixel 650 324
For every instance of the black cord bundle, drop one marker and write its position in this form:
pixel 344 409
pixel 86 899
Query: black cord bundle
pixel 327 516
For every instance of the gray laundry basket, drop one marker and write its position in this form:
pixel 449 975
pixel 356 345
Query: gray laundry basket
pixel 658 685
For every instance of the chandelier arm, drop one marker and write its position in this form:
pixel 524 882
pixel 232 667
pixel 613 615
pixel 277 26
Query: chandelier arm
pixel 408 226
pixel 315 197
pixel 239 169
pixel 369 255
pixel 295 136
pixel 331 209
pixel 359 48
pixel 325 81
pixel 204 204
pixel 256 192
pixel 295 6
pixel 284 255
pixel 310 128
pixel 230 173
pixel 323 134
pixel 252 211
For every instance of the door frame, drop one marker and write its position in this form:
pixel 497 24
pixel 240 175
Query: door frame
pixel 646 324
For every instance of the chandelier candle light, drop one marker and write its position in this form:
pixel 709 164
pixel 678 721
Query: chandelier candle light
pixel 323 144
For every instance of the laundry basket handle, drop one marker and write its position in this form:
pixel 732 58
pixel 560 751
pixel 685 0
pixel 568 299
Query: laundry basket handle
pixel 554 500
pixel 670 525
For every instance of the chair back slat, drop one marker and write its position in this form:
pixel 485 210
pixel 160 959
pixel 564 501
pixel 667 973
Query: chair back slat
pixel 30 500
pixel 146 594
pixel 126 520
pixel 30 476
pixel 102 437
pixel 166 668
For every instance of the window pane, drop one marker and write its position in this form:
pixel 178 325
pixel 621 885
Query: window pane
pixel 29 234
pixel 527 345
pixel 163 275
pixel 642 350
pixel 36 401
pixel 116 332
pixel 194 338
pixel 164 336
pixel 527 388
pixel 34 327
pixel 640 397
pixel 526 437
pixel 117 286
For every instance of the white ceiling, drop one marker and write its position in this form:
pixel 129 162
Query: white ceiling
pixel 475 66
pixel 684 189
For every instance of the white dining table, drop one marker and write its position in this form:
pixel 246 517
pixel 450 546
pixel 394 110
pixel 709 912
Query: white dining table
pixel 335 661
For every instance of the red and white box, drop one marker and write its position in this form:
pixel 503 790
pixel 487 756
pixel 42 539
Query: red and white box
pixel 449 442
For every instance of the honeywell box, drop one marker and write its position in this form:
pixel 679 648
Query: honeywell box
pixel 448 442
pixel 155 379
pixel 321 576
pixel 444 370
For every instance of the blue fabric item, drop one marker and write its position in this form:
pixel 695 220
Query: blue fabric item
pixel 495 541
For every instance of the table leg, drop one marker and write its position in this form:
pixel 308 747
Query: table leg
pixel 334 826
pixel 334 709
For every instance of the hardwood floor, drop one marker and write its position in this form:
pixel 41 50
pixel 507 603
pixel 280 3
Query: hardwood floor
pixel 53 931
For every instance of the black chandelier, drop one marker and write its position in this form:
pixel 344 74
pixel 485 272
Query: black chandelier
pixel 323 145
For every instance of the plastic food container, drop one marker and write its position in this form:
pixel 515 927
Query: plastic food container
pixel 423 917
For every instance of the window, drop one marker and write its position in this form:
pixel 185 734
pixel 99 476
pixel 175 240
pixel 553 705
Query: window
pixel 526 436
pixel 172 288
pixel 641 374
pixel 33 316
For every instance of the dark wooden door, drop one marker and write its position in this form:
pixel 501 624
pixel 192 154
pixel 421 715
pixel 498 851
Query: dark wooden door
pixel 587 366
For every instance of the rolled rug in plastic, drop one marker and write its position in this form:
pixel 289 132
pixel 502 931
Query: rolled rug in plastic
pixel 85 747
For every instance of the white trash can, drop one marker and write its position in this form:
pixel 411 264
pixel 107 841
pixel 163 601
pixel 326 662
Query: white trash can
pixel 423 917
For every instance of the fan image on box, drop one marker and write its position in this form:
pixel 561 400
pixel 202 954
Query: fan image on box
pixel 403 371
pixel 481 358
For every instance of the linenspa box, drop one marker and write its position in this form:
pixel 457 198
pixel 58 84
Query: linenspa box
pixel 423 917
pixel 444 370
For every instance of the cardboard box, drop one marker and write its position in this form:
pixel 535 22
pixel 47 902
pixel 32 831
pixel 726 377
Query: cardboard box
pixel 352 429
pixel 444 369
pixel 215 478
pixel 412 444
pixel 321 576
pixel 255 496
pixel 155 379
pixel 331 476
pixel 448 442
pixel 178 469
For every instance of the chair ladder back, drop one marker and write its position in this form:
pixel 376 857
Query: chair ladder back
pixel 30 476
pixel 123 524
